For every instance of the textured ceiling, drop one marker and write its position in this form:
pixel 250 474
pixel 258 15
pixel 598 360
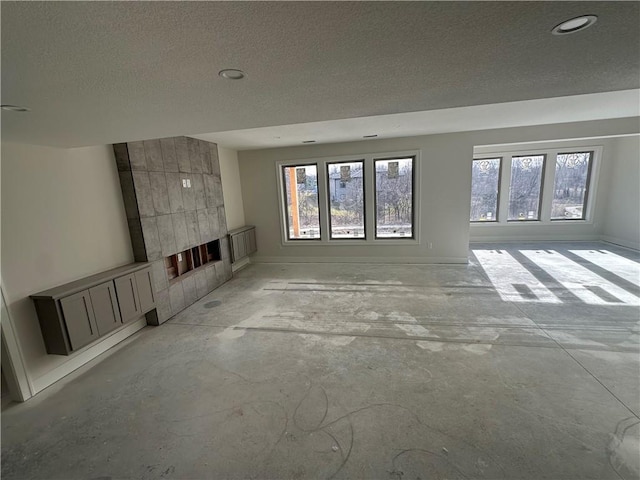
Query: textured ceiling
pixel 545 111
pixel 104 72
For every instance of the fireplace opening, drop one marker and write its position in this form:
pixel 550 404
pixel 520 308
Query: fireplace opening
pixel 192 259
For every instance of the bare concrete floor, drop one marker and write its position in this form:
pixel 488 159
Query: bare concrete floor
pixel 523 364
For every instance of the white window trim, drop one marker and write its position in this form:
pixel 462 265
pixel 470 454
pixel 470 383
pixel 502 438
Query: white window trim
pixel 369 195
pixel 547 185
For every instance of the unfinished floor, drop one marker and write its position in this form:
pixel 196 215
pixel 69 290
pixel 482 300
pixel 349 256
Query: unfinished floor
pixel 523 364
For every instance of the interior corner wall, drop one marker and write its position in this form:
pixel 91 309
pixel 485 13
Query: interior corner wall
pixel 445 185
pixel 231 187
pixel 62 219
pixel 622 217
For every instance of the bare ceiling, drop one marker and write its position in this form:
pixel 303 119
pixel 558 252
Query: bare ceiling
pixel 104 72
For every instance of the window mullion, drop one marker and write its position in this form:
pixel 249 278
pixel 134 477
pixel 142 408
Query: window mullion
pixel 505 185
pixel 323 201
pixel 369 196
pixel 548 185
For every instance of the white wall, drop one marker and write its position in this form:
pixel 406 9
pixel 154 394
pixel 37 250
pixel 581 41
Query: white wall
pixel 443 165
pixel 62 219
pixel 445 185
pixel 622 217
pixel 231 189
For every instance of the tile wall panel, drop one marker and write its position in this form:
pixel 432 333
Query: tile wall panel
pixel 167 216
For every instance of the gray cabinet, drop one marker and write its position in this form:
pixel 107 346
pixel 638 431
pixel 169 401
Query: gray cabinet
pixel 76 314
pixel 105 307
pixel 135 294
pixel 128 297
pixel 238 247
pixel 79 319
pixel 243 242
pixel 250 241
pixel 144 282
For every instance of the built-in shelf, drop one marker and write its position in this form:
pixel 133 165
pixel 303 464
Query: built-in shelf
pixel 191 259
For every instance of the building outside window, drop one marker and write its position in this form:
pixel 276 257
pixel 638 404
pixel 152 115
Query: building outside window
pixel 346 199
pixel 394 198
pixel 366 199
pixel 301 189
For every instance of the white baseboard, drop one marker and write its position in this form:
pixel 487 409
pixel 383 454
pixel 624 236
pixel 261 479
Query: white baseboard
pixel 374 260
pixel 240 264
pixel 621 242
pixel 87 355
pixel 533 238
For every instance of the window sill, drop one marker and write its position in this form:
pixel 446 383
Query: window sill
pixel 378 242
pixel 512 223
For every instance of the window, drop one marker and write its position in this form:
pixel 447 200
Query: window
pixel 532 184
pixel 350 200
pixel 346 199
pixel 526 187
pixel 571 186
pixel 485 186
pixel 301 188
pixel 394 198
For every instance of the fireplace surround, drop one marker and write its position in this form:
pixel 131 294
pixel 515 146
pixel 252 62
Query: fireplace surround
pixel 172 192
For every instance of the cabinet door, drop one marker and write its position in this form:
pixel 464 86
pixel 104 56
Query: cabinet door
pixel 145 290
pixel 250 241
pixel 105 307
pixel 79 319
pixel 238 246
pixel 128 297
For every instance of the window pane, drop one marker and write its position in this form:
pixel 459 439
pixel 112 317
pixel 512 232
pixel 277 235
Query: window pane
pixel 485 181
pixel 394 198
pixel 301 188
pixel 524 192
pixel 346 197
pixel 570 188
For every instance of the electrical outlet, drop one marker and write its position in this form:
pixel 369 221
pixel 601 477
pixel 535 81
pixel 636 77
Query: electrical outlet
pixel 430 245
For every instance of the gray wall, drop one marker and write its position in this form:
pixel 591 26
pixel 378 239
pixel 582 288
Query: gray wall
pixel 166 218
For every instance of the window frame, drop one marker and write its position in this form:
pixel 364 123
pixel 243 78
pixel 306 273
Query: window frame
pixel 541 195
pixel 587 187
pixel 285 206
pixel 496 218
pixel 536 148
pixel 364 199
pixel 413 199
pixel 369 211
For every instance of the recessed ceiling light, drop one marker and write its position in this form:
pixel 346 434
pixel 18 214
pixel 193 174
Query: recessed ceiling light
pixel 308 141
pixel 14 108
pixel 574 24
pixel 369 136
pixel 231 74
